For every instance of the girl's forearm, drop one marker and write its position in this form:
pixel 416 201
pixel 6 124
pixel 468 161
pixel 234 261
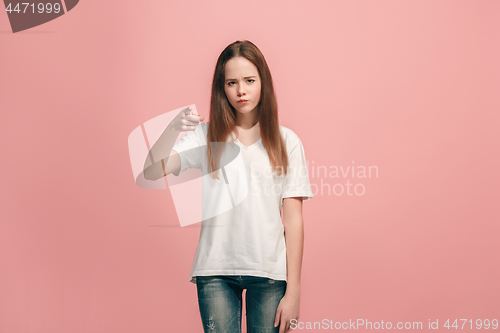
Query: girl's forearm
pixel 157 158
pixel 294 238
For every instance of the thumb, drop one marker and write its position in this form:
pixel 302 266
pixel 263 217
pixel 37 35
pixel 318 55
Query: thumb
pixel 277 319
pixel 193 110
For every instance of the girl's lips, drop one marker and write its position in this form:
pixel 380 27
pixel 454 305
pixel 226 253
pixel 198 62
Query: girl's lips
pixel 242 101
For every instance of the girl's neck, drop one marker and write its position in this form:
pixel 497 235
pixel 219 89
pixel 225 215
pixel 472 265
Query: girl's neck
pixel 247 120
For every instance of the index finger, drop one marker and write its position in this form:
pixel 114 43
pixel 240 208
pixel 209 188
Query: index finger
pixel 187 110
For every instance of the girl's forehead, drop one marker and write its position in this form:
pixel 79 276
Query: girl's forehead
pixel 240 65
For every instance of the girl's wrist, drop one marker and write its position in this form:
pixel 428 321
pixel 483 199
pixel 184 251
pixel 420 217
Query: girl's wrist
pixel 293 291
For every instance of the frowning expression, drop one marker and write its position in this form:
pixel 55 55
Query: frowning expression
pixel 242 84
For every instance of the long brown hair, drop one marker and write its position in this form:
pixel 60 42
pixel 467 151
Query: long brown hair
pixel 223 116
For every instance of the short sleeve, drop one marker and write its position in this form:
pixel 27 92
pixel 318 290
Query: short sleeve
pixel 189 148
pixel 297 179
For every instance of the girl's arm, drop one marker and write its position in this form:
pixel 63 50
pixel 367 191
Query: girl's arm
pixel 294 238
pixel 289 308
pixel 162 160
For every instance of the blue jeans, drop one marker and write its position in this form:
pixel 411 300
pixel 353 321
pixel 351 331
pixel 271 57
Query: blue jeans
pixel 219 299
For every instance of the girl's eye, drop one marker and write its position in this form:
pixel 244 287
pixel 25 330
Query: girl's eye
pixel 229 83
pixel 251 80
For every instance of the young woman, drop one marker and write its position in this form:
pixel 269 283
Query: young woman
pixel 247 246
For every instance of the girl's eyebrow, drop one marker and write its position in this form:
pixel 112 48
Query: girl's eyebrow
pixel 246 77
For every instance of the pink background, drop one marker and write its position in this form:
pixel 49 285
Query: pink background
pixel 411 87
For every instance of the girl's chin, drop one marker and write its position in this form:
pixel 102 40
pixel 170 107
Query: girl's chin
pixel 244 108
pixel 244 111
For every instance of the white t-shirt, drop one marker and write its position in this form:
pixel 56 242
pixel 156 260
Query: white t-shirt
pixel 247 239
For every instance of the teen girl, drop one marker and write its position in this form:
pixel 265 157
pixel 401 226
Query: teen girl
pixel 248 246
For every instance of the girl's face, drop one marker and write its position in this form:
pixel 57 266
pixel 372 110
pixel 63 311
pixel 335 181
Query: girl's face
pixel 242 84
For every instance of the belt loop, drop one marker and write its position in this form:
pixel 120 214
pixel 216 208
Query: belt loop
pixel 241 281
